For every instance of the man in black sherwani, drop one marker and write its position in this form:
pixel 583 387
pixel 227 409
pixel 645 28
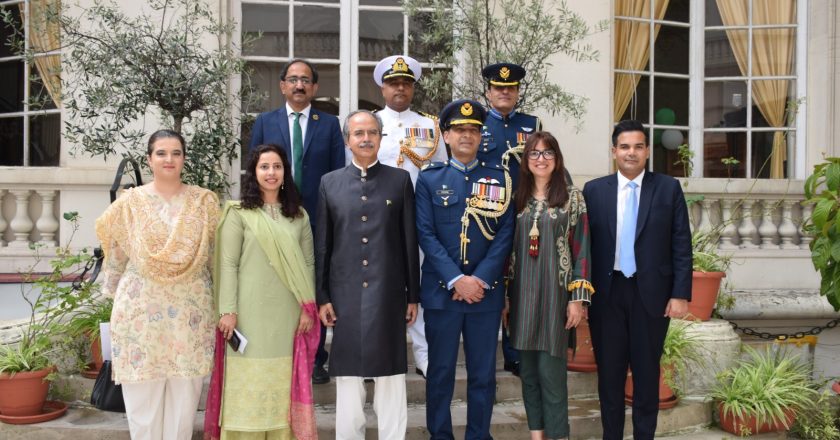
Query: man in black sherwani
pixel 368 283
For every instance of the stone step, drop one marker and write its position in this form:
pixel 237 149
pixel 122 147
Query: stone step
pixel 508 423
pixel 72 388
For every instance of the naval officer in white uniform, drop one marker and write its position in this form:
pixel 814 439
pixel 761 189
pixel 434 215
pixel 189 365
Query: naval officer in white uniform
pixel 410 141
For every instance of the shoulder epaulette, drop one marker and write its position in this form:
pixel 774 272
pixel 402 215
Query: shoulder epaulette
pixel 433 165
pixel 433 117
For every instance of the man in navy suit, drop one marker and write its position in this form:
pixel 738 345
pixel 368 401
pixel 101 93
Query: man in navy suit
pixel 641 271
pixel 312 140
pixel 465 229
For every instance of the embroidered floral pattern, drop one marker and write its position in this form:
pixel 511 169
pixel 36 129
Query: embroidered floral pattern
pixel 156 268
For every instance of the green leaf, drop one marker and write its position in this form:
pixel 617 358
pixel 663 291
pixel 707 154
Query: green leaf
pixel 832 177
pixel 821 212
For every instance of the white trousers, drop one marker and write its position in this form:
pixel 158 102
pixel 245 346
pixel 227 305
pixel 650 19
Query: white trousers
pixel 162 409
pixel 419 346
pixel 389 404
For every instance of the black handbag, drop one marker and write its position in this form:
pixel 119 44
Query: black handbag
pixel 107 395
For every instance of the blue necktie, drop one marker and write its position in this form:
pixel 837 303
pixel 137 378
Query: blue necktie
pixel 626 249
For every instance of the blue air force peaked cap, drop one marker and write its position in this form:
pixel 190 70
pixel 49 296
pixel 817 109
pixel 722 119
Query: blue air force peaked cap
pixel 503 74
pixel 462 112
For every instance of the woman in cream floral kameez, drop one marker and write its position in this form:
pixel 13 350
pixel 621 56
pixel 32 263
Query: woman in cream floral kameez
pixel 157 240
pixel 265 288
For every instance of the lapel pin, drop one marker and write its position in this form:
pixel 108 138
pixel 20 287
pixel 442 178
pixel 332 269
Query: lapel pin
pixel 315 117
pixel 388 201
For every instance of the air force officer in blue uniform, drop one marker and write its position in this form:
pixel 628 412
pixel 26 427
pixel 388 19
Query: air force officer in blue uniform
pixel 465 228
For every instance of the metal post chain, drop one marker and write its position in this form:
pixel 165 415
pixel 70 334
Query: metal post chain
pixel 785 336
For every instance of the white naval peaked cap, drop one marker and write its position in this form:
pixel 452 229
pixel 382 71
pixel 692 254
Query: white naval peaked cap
pixel 396 66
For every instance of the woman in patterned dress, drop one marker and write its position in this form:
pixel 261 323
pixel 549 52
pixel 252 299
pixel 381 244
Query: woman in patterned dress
pixel 265 288
pixel 550 270
pixel 158 240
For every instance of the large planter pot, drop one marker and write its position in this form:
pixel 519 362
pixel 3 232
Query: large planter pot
pixel 749 425
pixel 24 394
pixel 583 359
pixel 667 398
pixel 93 368
pixel 704 292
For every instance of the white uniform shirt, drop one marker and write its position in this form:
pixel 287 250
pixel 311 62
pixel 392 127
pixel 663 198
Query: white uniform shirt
pixel 397 126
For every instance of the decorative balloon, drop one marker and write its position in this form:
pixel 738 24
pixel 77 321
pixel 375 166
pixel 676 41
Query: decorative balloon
pixel 665 116
pixel 672 139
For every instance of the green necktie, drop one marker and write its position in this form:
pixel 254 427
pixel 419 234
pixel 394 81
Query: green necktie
pixel 297 151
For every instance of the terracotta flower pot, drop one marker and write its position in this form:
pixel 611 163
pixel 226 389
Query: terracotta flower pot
pixel 24 394
pixel 96 353
pixel 667 398
pixel 583 359
pixel 741 426
pixel 836 387
pixel 704 292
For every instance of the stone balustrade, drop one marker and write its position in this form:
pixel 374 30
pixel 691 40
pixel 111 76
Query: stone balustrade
pixel 27 217
pixel 750 214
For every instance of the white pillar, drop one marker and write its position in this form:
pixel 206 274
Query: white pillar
pixel 730 230
pixel 706 224
pixel 804 237
pixel 47 224
pixel 21 225
pixel 767 230
pixel 787 230
pixel 747 228
pixel 3 222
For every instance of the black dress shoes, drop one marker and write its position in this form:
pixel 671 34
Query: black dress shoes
pixel 320 375
pixel 513 367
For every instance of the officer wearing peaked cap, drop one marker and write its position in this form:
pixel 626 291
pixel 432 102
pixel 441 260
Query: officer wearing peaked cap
pixel 410 140
pixel 465 229
pixel 505 131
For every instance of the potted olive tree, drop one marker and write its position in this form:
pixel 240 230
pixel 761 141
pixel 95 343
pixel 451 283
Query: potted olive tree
pixel 763 392
pixel 26 368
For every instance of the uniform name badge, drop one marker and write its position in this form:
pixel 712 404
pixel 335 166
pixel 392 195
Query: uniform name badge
pixel 488 193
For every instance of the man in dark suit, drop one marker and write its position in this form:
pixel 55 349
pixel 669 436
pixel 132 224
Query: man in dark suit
pixel 312 140
pixel 641 271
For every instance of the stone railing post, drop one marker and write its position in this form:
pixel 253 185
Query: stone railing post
pixel 47 224
pixel 21 225
pixel 3 222
pixel 767 230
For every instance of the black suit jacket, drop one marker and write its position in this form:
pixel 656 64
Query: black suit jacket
pixel 323 148
pixel 663 239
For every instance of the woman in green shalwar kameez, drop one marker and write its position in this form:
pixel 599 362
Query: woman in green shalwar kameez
pixel 550 268
pixel 265 284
